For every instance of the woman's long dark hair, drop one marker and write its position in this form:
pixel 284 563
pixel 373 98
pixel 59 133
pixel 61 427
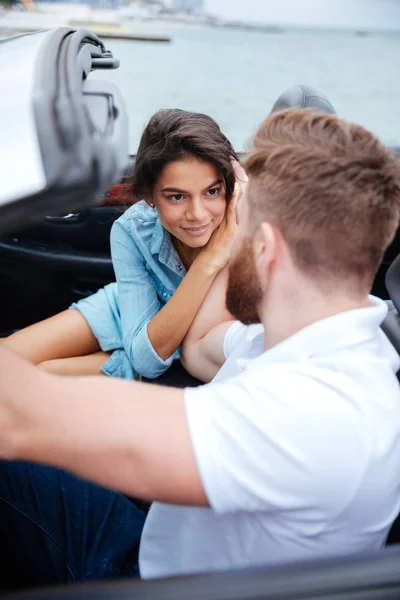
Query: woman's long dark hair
pixel 175 134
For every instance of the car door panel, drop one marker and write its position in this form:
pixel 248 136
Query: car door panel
pixel 60 260
pixel 369 576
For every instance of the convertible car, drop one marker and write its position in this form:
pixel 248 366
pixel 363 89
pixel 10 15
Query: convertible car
pixel 63 163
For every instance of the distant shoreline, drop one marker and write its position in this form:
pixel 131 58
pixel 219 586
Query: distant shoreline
pixel 190 21
pixel 274 29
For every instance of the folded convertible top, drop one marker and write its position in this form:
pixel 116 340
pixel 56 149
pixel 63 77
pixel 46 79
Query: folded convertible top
pixel 63 136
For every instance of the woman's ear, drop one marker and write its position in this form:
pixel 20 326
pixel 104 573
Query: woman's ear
pixel 150 202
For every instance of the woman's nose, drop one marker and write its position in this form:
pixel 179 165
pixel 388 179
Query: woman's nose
pixel 196 210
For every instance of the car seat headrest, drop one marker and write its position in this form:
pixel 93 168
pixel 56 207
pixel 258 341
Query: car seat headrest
pixel 392 281
pixel 303 96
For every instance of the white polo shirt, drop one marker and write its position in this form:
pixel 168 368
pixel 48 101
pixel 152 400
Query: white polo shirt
pixel 298 449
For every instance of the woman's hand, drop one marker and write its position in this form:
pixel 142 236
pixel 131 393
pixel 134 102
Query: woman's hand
pixel 241 176
pixel 217 251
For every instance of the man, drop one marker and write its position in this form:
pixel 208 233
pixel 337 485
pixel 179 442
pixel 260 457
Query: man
pixel 292 452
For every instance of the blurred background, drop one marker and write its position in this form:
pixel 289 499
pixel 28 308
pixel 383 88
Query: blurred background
pixel 232 58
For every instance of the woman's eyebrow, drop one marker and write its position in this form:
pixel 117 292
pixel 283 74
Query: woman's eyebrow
pixel 180 191
pixel 217 182
pixel 172 189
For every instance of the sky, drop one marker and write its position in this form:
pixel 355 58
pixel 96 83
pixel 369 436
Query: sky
pixel 368 14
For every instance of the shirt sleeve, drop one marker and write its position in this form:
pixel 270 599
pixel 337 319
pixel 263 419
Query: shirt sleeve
pixel 269 448
pixel 233 334
pixel 138 302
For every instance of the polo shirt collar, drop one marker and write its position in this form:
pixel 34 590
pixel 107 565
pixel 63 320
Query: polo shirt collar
pixel 343 330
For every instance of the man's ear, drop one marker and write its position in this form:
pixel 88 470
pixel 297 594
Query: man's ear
pixel 265 247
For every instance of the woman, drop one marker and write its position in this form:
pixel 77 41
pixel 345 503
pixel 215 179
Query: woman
pixel 166 251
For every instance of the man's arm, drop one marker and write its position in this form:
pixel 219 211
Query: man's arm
pixel 203 347
pixel 128 436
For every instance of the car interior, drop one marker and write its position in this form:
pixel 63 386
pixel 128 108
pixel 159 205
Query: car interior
pixel 65 257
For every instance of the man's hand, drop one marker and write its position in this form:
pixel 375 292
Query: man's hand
pixel 128 436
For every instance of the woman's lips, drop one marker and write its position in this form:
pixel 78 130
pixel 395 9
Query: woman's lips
pixel 196 230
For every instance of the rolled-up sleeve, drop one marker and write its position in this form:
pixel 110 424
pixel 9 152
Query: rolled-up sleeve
pixel 138 302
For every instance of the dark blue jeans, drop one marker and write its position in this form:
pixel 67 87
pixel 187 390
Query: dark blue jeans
pixel 55 528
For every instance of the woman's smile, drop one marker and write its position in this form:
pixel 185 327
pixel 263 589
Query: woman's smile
pixel 197 231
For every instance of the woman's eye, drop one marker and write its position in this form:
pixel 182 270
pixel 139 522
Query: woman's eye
pixel 214 191
pixel 176 197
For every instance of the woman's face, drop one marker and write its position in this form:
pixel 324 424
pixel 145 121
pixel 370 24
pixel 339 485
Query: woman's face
pixel 190 200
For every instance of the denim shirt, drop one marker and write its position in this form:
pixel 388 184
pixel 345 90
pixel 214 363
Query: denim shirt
pixel 148 270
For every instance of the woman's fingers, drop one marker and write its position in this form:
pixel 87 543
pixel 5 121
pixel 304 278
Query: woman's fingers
pixel 231 216
pixel 240 173
pixel 241 176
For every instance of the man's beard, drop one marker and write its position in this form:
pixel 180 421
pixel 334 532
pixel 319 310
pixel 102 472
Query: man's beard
pixel 244 293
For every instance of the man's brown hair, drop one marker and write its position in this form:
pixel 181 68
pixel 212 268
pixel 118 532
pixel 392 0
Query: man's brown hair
pixel 331 188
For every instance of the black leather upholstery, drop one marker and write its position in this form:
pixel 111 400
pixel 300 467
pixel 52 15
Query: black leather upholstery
pixel 303 96
pixel 391 325
pixel 392 281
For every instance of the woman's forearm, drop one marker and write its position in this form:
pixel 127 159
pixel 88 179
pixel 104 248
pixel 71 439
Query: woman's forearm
pixel 212 312
pixel 202 349
pixel 169 326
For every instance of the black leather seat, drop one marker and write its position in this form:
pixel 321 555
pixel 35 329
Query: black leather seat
pixel 303 96
pixel 392 281
pixel 391 325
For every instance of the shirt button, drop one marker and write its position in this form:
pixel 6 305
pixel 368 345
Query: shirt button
pixel 180 267
pixel 164 294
